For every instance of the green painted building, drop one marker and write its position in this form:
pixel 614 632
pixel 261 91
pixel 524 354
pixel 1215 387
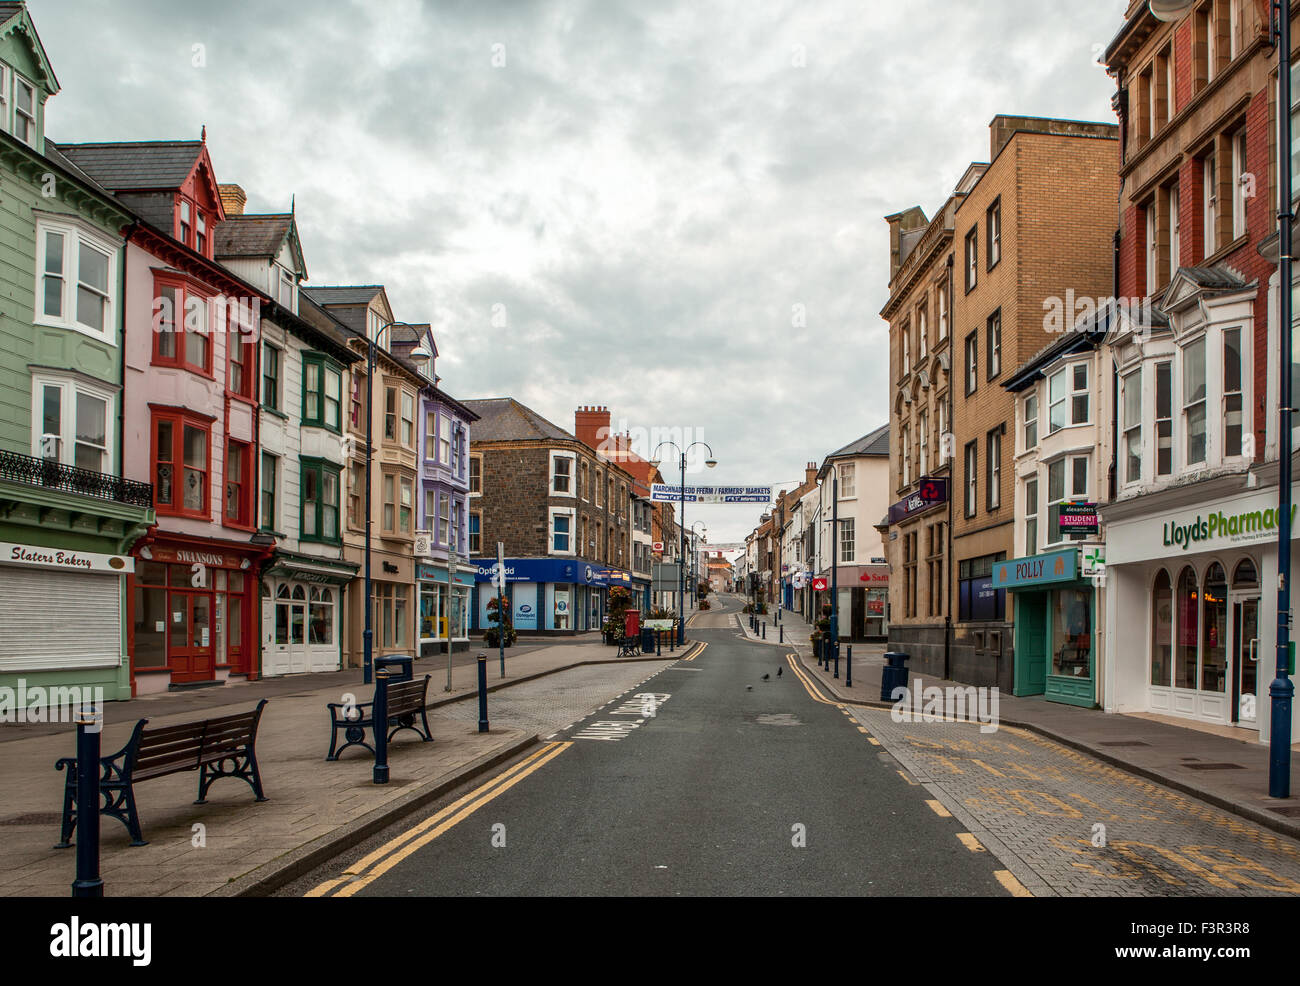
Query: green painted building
pixel 67 518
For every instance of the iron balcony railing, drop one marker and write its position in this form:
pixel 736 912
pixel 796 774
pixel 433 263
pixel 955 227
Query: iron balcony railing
pixel 50 474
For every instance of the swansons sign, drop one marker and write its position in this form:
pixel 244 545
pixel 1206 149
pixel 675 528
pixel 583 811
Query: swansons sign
pixel 1251 525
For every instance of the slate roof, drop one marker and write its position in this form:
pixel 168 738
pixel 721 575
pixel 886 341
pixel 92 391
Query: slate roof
pixel 346 294
pixel 136 165
pixel 251 236
pixel 504 419
pixel 54 152
pixel 873 443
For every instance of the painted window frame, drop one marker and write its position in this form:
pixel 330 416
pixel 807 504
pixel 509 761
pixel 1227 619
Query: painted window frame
pixel 970 459
pixel 268 499
pixel 326 367
pixel 20 80
pixel 475 481
pixel 556 455
pixel 972 258
pixel 321 470
pixel 238 453
pixel 993 346
pixel 180 420
pixel 75 233
pixel 1030 421
pixel 569 514
pixel 186 293
pixel 1131 426
pixel 993 234
pixel 70 388
pixel 271 373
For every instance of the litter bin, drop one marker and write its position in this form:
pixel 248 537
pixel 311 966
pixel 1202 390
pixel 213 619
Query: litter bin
pixel 403 664
pixel 893 674
pixel 647 640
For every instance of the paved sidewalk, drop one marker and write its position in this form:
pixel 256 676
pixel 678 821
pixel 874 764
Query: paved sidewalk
pixel 1226 772
pixel 316 808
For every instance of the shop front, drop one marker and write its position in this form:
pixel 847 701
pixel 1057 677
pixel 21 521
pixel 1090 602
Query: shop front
pixel 548 595
pixel 302 614
pixel 1186 586
pixel 444 607
pixel 193 618
pixel 1055 625
pixel 394 602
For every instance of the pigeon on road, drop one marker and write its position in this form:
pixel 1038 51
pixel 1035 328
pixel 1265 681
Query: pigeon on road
pixel 778 671
pixel 767 677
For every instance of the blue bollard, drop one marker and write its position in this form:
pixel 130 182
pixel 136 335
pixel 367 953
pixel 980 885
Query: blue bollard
pixel 482 694
pixel 380 712
pixel 836 648
pixel 88 882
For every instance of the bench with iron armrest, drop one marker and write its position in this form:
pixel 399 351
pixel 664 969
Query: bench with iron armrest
pixel 629 646
pixel 216 748
pixel 406 700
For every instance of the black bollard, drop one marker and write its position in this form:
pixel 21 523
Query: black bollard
pixel 88 882
pixel 765 629
pixel 380 712
pixel 848 669
pixel 482 694
pixel 781 640
pixel 837 658
pixel 659 643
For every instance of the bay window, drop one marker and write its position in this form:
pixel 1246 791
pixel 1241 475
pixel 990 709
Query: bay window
pixel 1031 516
pixel 1068 398
pixel 1133 427
pixel 76 278
pixel 271 377
pixel 1164 419
pixel 322 392
pixel 70 423
pixel 320 500
pixel 1031 422
pixel 430 435
pixel 444 520
pixel 270 481
pixel 408 420
pixel 1194 401
pixel 1067 479
pixel 181 463
pixel 1232 402
pixel 182 327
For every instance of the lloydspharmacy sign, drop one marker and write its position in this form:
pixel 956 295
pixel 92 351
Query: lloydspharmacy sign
pixel 1251 525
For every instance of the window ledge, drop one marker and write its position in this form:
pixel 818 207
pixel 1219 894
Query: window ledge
pixel 276 413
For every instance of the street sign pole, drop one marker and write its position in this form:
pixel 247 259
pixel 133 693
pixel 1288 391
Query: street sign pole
pixel 451 589
pixel 501 603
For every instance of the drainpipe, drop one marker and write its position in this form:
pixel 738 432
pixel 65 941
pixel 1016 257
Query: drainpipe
pixel 952 486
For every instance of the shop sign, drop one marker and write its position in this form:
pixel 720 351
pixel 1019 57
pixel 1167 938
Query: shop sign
pixel 1078 518
pixel 819 584
pixel 1022 573
pixel 64 559
pixel 1251 525
pixel 931 493
pixel 665 493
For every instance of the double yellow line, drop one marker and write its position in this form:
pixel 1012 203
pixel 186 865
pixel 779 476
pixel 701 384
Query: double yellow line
pixel 370 867
pixel 814 692
pixel 699 646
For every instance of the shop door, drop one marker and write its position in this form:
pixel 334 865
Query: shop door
pixel 1245 657
pixel 286 643
pixel 189 642
pixel 1032 638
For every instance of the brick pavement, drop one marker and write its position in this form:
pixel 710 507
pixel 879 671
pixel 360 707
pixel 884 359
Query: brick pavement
pixel 1157 751
pixel 316 808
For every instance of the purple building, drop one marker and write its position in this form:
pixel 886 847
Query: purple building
pixel 443 575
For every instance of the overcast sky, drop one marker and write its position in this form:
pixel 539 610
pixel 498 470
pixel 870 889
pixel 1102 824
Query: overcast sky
pixel 670 208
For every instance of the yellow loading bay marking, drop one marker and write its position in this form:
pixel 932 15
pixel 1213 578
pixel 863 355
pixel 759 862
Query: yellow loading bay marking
pixel 970 842
pixel 1013 886
pixel 395 850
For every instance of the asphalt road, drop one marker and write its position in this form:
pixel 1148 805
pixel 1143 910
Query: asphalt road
pixel 720 783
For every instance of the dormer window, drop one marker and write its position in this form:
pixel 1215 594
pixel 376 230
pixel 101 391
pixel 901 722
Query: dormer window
pixel 24 111
pixel 286 290
pixel 200 233
pixel 185 222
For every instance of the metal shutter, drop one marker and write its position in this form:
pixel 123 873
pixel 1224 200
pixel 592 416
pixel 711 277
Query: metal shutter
pixel 50 620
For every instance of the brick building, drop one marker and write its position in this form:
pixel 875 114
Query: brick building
pixel 562 512
pixel 1191 536
pixel 1032 232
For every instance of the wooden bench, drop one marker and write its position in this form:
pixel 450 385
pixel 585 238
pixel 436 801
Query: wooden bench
pixel 406 701
pixel 216 748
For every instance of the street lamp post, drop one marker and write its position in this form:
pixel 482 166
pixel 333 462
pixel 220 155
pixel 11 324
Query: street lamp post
pixel 835 571
pixel 655 462
pixel 695 560
pixel 1282 689
pixel 418 355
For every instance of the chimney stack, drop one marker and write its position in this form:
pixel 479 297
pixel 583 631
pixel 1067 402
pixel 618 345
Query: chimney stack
pixel 810 473
pixel 232 199
pixel 591 425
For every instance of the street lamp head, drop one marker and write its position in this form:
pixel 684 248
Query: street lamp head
pixel 1170 10
pixel 419 355
pixel 656 463
pixel 710 462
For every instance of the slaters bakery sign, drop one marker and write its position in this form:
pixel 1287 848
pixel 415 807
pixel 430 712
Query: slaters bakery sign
pixel 64 559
